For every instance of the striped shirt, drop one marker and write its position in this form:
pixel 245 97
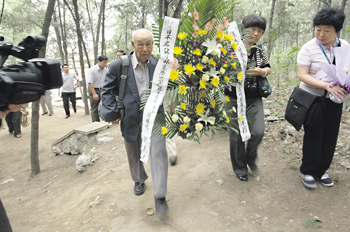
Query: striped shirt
pixel 311 55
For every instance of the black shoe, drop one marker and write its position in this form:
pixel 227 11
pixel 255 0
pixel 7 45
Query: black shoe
pixel 173 159
pixel 254 168
pixel 75 110
pixel 67 116
pixel 139 189
pixel 162 209
pixel 44 113
pixel 243 177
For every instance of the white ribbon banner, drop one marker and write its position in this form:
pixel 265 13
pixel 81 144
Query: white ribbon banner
pixel 159 83
pixel 242 56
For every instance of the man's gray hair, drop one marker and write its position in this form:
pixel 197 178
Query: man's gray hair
pixel 134 32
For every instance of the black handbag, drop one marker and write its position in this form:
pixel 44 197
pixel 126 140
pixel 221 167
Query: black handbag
pixel 263 86
pixel 304 108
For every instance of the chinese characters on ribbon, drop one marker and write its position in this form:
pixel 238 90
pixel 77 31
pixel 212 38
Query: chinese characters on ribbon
pixel 242 56
pixel 159 83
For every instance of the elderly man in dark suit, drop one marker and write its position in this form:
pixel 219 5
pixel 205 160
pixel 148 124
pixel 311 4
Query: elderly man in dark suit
pixel 139 78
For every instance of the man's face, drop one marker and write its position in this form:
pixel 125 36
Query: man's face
pixel 65 69
pixel 143 45
pixel 102 64
pixel 118 55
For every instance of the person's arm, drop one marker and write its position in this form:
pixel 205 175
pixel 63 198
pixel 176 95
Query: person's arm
pixel 109 92
pixel 335 90
pixel 256 71
pixel 92 88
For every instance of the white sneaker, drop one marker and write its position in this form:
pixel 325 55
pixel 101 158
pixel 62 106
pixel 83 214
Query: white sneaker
pixel 326 180
pixel 308 181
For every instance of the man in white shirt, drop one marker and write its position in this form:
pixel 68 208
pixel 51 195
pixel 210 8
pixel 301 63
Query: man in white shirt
pixel 96 77
pixel 68 89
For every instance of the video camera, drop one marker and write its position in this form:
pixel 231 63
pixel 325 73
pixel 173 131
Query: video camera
pixel 26 81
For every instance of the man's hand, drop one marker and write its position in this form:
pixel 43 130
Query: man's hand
pixel 11 108
pixel 95 96
pixel 116 121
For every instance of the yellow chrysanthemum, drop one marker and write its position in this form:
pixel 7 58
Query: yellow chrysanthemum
pixel 212 103
pixel 200 108
pixel 183 106
pixel 234 45
pixel 197 52
pixel 215 81
pixel 174 75
pixel 219 35
pixel 240 118
pixel 183 89
pixel 182 35
pixel 227 120
pixel 189 69
pixel 164 130
pixel 224 65
pixel 228 37
pixel 227 99
pixel 223 50
pixel 203 94
pixel 202 84
pixel 212 62
pixel 183 127
pixel 177 50
pixel 227 79
pixel 202 32
pixel 199 66
pixel 234 65
pixel 240 76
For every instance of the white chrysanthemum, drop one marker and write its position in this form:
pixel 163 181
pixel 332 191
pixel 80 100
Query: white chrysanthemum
pixel 187 120
pixel 175 117
pixel 199 126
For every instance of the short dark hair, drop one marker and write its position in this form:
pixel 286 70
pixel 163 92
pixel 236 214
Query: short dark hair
pixel 121 51
pixel 102 58
pixel 65 65
pixel 254 21
pixel 330 16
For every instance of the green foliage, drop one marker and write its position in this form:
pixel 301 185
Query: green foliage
pixel 313 222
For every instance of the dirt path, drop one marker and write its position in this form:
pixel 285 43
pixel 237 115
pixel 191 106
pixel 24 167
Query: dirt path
pixel 203 193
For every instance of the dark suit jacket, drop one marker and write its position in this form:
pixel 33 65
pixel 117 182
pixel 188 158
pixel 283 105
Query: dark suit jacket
pixel 131 124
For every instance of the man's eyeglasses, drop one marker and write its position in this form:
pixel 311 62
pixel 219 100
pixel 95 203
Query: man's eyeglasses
pixel 256 30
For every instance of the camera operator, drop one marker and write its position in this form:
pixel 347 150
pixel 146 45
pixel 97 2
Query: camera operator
pixel 24 82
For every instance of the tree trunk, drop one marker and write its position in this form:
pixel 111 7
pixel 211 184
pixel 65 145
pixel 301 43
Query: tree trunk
pixel 160 9
pixel 178 10
pixel 343 4
pixel 166 6
pixel 81 55
pixel 90 22
pixel 63 31
pixel 103 44
pixel 34 140
pixel 58 37
pixel 270 30
pixel 2 10
pixel 98 31
pixel 76 18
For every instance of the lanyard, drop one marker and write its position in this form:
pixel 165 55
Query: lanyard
pixel 324 51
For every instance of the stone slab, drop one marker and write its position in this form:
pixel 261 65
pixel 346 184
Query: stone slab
pixel 85 130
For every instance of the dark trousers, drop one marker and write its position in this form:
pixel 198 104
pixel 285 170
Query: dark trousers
pixel 13 120
pixel 319 143
pixel 243 154
pixel 94 105
pixel 5 225
pixel 71 97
